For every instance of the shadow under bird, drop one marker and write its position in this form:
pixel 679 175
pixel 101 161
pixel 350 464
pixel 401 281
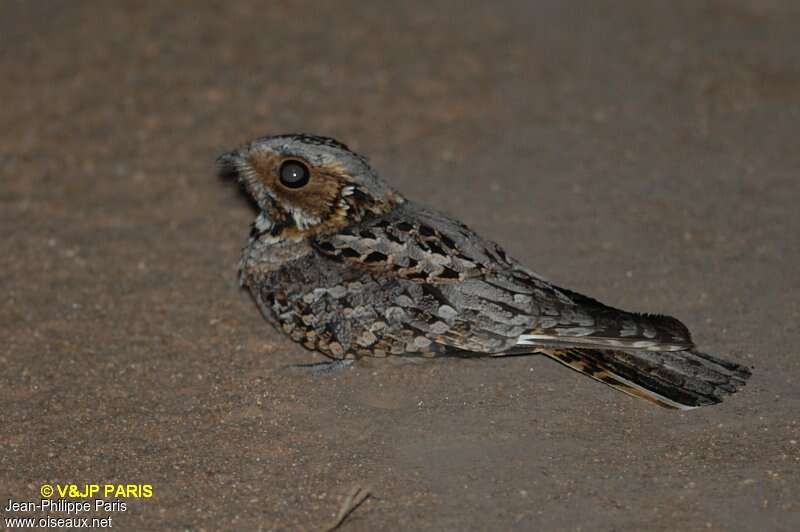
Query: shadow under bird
pixel 347 266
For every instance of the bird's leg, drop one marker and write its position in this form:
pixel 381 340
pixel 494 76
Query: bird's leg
pixel 323 367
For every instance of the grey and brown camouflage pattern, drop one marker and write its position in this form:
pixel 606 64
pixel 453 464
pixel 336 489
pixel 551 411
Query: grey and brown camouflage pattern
pixel 350 268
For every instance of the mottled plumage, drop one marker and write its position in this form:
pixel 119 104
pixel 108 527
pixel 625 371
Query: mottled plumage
pixel 347 266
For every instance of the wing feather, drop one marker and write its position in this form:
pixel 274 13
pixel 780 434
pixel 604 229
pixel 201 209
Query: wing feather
pixel 490 293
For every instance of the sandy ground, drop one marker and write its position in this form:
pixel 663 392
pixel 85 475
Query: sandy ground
pixel 645 153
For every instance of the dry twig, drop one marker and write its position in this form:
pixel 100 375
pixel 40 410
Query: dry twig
pixel 357 496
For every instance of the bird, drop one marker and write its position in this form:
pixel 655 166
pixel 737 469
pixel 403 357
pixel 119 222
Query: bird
pixel 347 266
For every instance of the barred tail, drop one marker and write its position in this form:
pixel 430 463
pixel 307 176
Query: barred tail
pixel 671 379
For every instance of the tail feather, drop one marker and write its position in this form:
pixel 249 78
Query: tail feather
pixel 672 379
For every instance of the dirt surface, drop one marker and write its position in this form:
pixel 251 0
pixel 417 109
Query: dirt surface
pixel 645 153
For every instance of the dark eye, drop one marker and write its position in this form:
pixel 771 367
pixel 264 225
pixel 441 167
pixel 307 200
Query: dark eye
pixel 293 174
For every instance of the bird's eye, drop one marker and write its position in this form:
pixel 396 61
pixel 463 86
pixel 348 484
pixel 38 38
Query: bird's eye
pixel 293 174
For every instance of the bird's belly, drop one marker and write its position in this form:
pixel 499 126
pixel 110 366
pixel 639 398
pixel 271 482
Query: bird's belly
pixel 350 313
pixel 340 314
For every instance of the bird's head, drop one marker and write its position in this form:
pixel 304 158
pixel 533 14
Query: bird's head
pixel 305 185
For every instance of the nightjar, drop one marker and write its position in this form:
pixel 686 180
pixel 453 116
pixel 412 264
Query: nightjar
pixel 347 266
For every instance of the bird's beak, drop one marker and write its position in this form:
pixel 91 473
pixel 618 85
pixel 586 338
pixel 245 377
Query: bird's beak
pixel 229 164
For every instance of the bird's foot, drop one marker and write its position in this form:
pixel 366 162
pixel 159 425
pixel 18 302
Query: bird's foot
pixel 318 368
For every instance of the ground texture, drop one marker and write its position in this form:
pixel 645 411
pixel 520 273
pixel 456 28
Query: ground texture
pixel 645 153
